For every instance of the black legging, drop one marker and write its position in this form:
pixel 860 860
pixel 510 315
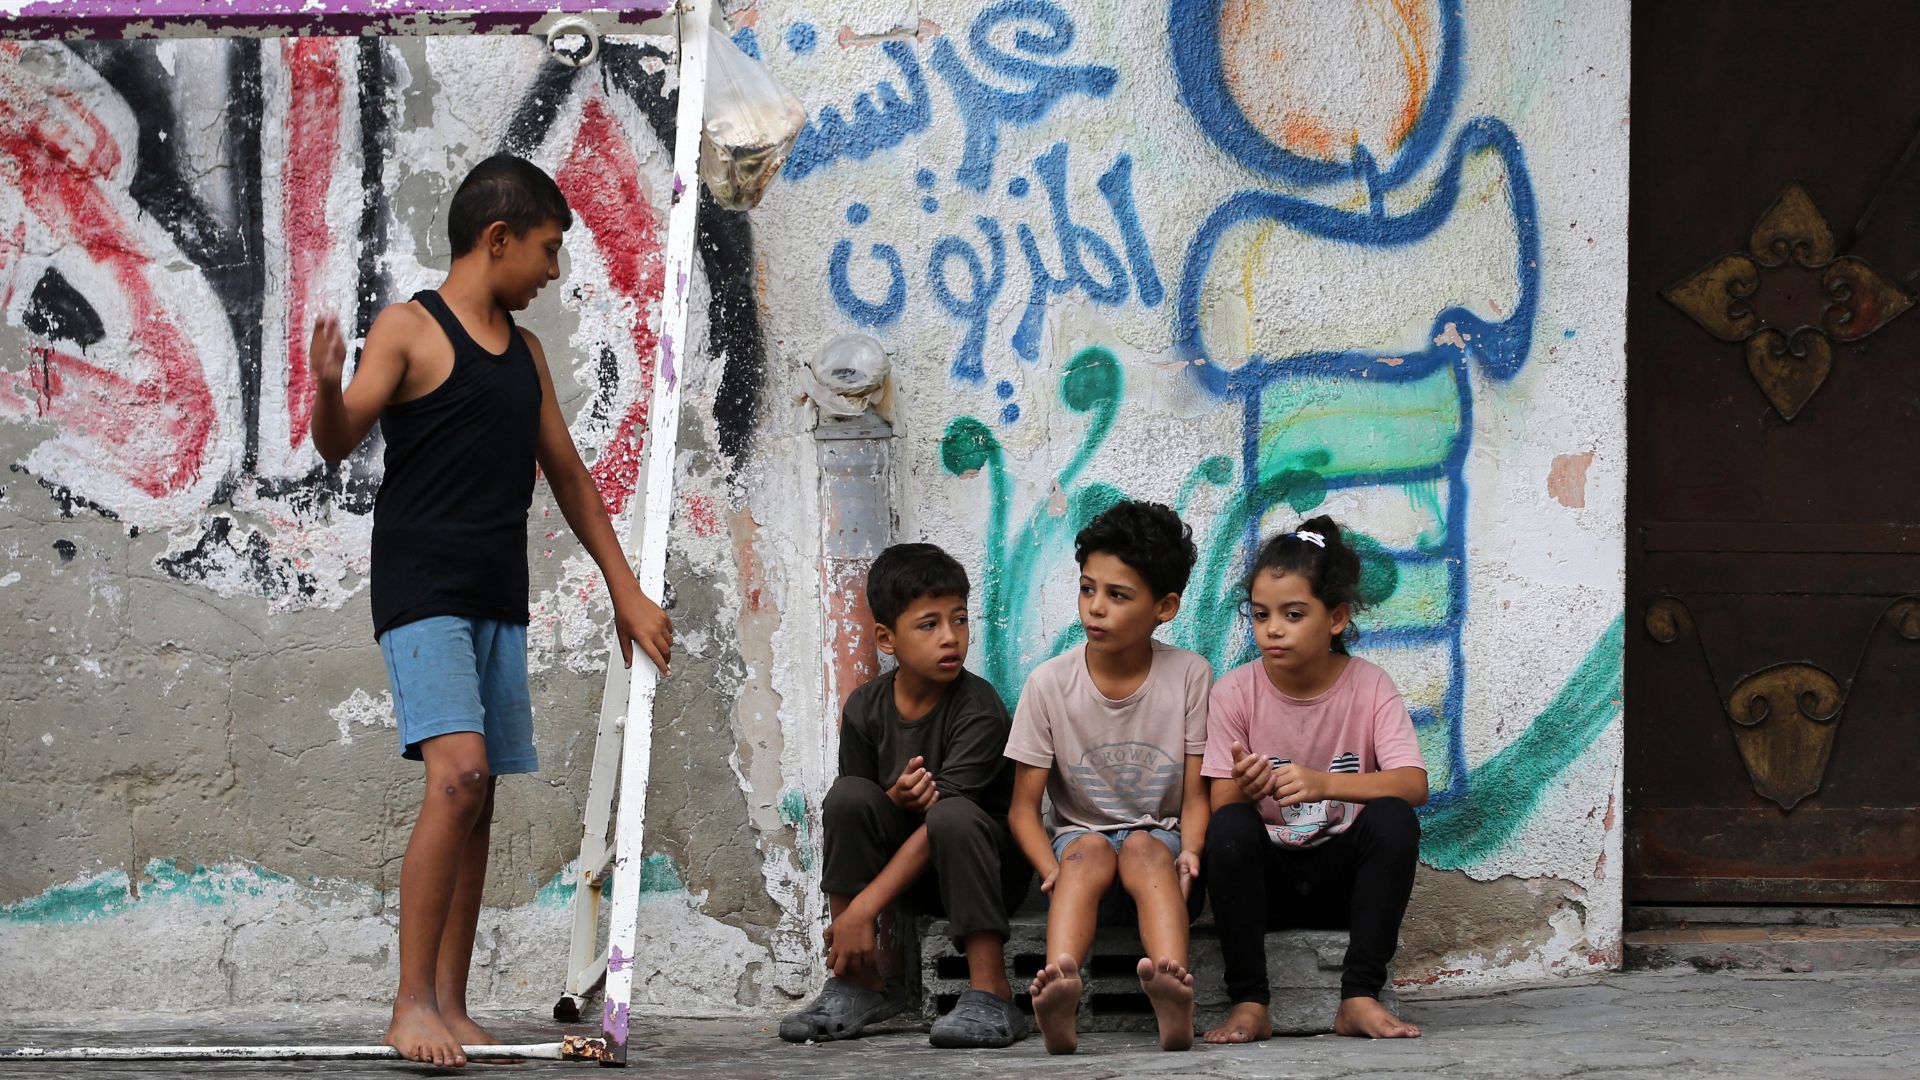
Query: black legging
pixel 1358 880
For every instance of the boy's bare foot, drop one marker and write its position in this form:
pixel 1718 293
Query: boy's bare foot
pixel 1056 1004
pixel 467 1033
pixel 1170 987
pixel 1366 1018
pixel 1248 1021
pixel 420 1035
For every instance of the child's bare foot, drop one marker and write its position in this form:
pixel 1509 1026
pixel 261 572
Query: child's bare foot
pixel 467 1033
pixel 420 1035
pixel 1366 1018
pixel 1248 1021
pixel 1056 1004
pixel 1170 987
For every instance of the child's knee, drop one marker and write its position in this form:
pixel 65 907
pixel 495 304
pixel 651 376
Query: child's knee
pixel 466 784
pixel 958 819
pixel 1142 850
pixel 1235 830
pixel 1088 856
pixel 850 799
pixel 1392 823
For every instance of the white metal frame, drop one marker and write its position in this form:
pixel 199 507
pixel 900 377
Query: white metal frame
pixel 624 746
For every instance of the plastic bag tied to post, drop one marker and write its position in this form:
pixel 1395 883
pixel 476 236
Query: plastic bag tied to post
pixel 751 124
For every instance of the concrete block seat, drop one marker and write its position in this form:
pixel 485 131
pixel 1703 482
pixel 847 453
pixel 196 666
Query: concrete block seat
pixel 1303 967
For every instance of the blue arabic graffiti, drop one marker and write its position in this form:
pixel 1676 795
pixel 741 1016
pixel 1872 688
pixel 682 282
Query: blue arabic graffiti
pixel 883 119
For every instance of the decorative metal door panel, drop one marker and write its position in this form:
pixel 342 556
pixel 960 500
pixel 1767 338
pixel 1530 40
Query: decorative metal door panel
pixel 1773 564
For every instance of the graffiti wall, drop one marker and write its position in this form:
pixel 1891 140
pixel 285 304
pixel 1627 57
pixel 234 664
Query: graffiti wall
pixel 1280 260
pixel 1257 261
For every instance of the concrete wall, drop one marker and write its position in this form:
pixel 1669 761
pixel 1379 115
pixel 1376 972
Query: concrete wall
pixel 1260 262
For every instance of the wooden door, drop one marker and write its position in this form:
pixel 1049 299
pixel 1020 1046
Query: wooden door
pixel 1773 564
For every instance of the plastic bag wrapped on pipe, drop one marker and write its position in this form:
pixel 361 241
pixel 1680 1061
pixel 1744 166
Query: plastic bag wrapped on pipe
pixel 848 374
pixel 751 123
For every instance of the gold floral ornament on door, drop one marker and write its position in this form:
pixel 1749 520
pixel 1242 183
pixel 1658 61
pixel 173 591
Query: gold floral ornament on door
pixel 1784 715
pixel 1789 298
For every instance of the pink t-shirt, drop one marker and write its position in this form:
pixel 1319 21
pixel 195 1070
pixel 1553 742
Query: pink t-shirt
pixel 1357 725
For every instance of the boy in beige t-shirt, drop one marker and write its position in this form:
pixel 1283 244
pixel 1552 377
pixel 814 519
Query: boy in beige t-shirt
pixel 1112 732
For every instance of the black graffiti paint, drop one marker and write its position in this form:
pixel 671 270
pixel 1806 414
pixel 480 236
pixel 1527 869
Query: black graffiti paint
pixel 725 242
pixel 230 252
pixel 65 549
pixel 56 311
pixel 539 107
pixel 376 140
pixel 65 497
pixel 270 577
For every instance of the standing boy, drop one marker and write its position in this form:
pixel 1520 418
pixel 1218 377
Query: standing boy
pixel 919 813
pixel 466 406
pixel 1113 732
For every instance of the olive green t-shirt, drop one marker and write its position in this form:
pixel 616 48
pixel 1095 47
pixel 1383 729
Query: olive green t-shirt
pixel 963 738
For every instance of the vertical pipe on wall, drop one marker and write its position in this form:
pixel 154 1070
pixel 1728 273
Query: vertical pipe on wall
pixel 854 519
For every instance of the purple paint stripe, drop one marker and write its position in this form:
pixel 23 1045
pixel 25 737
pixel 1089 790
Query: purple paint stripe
pixel 143 18
pixel 666 360
pixel 614 1022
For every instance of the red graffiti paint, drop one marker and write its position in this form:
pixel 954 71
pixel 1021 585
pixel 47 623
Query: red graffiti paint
pixel 601 179
pixel 153 424
pixel 313 134
pixel 701 517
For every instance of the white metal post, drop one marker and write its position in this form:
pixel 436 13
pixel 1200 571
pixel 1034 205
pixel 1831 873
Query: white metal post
pixel 663 442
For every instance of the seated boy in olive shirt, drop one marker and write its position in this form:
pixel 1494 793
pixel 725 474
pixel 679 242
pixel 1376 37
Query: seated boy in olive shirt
pixel 919 813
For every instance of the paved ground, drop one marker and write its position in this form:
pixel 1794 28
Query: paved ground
pixel 1639 1025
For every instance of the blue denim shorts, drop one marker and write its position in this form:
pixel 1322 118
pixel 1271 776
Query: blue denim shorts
pixel 1116 837
pixel 451 673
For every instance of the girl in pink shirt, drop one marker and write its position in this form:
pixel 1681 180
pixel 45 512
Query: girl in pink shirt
pixel 1315 772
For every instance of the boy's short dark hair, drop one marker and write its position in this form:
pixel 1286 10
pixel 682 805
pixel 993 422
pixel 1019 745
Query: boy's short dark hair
pixel 906 572
pixel 1147 536
pixel 504 188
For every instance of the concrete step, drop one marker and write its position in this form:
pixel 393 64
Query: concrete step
pixel 1797 948
pixel 1303 968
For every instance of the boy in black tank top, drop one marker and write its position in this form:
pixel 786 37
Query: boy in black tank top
pixel 466 405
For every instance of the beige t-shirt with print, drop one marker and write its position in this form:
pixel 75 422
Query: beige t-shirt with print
pixel 1115 764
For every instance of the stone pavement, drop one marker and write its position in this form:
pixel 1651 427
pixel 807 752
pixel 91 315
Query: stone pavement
pixel 1664 1025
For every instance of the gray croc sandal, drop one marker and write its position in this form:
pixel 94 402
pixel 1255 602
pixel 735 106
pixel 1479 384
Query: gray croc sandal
pixel 979 1020
pixel 842 1011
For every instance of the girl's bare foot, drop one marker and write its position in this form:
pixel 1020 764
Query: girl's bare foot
pixel 1248 1021
pixel 1169 986
pixel 420 1035
pixel 1056 1004
pixel 1366 1018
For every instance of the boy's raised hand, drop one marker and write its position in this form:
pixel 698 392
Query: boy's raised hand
pixel 914 792
pixel 638 619
pixel 1253 772
pixel 327 351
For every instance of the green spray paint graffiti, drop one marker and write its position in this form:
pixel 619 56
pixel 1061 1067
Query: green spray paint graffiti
pixel 1507 787
pixel 1311 438
pixel 112 893
pixel 793 811
pixel 658 874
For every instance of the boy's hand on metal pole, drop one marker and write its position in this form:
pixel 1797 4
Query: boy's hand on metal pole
pixel 642 621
